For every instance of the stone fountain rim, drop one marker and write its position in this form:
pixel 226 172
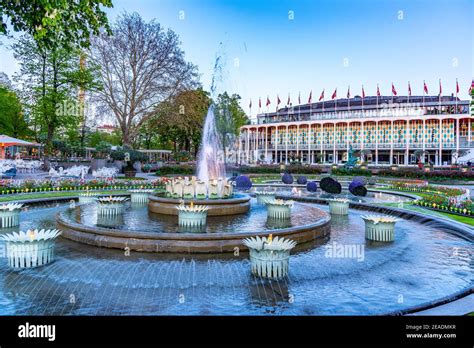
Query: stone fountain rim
pixel 243 198
pixel 65 221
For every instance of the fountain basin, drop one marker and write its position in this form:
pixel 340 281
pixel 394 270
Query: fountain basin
pixel 217 238
pixel 238 204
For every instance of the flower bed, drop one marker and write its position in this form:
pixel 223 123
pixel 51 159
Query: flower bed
pixel 425 188
pixel 30 186
pixel 437 203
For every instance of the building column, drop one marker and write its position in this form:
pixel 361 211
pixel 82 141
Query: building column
pixel 469 131
pixel 321 141
pixel 297 139
pixel 334 159
pixel 457 135
pixel 362 136
pixel 391 143
pixel 424 140
pixel 407 151
pixel 286 145
pixel 309 144
pixel 248 146
pixel 276 145
pixel 347 139
pixel 440 157
pixel 266 143
pixel 376 143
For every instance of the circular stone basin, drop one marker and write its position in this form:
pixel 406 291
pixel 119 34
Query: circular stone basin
pixel 141 230
pixel 238 204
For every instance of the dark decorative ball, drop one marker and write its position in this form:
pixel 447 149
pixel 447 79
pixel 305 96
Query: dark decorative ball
pixel 330 185
pixel 312 186
pixel 243 182
pixel 357 188
pixel 302 180
pixel 287 178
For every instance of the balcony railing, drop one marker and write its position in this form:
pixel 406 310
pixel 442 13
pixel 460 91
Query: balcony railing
pixel 384 110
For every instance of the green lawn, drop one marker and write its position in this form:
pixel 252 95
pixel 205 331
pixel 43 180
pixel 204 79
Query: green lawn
pixel 25 196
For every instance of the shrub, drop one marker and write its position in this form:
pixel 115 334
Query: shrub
pixel 330 185
pixel 180 170
pixel 312 186
pixel 243 182
pixel 302 180
pixel 357 188
pixel 287 178
pixel 350 171
pixel 272 169
pixel 416 173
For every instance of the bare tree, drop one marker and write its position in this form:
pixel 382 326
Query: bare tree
pixel 141 65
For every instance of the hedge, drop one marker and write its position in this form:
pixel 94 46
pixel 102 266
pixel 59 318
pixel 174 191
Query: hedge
pixel 415 173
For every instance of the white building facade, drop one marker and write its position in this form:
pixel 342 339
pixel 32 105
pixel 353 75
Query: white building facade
pixel 388 129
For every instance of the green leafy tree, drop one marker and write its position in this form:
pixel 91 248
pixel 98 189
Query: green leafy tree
pixel 179 121
pixel 12 119
pixel 62 23
pixel 229 118
pixel 50 79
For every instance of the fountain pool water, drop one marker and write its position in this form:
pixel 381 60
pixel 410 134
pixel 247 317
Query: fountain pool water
pixel 112 282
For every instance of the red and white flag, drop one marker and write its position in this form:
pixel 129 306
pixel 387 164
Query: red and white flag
pixel 288 102
pixel 440 88
pixel 425 87
pixel 457 87
pixel 278 100
pixel 470 88
pixel 348 92
pixel 334 95
pixel 259 102
pixel 409 89
pixel 378 90
pixel 268 101
pixel 321 97
pixel 394 91
pixel 363 92
pixel 310 99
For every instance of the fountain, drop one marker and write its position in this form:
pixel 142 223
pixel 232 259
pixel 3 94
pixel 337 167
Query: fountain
pixel 110 206
pixel 269 257
pixel 10 215
pixel 279 209
pixel 202 203
pixel 339 206
pixel 380 228
pixel 30 249
pixel 210 165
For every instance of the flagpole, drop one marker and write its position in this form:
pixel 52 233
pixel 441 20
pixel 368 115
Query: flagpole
pixel 377 98
pixel 363 98
pixel 424 84
pixel 299 106
pixel 392 92
pixel 310 103
pixel 348 99
pixel 439 97
pixel 456 101
pixel 408 92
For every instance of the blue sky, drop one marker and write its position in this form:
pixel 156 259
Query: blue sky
pixel 328 44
